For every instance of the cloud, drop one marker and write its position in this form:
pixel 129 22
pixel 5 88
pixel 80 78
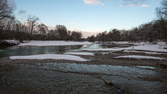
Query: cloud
pixel 127 3
pixel 135 3
pixel 93 2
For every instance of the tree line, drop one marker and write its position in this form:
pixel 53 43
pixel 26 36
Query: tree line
pixel 12 28
pixel 152 31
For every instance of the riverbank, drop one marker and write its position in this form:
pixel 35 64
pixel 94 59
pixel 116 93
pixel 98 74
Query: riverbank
pixel 65 78
pixel 120 68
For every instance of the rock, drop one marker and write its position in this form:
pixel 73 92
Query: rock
pixel 109 83
pixel 163 66
pixel 5 44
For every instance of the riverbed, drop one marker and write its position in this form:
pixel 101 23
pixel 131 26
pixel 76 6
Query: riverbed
pixel 101 73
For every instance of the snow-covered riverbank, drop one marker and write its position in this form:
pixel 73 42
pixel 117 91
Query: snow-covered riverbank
pixel 144 46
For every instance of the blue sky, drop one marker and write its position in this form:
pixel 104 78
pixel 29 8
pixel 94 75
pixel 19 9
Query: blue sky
pixel 89 15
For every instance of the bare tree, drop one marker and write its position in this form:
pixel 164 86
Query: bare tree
pixel 162 11
pixel 62 30
pixel 162 15
pixel 6 9
pixel 32 22
pixel 76 35
pixel 42 28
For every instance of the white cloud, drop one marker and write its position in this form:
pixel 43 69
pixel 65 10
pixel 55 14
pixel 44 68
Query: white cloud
pixel 137 5
pixel 128 3
pixel 93 2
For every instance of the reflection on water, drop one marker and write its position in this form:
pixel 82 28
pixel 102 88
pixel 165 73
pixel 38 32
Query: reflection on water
pixel 32 50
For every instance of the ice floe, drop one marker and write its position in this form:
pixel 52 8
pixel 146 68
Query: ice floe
pixel 80 53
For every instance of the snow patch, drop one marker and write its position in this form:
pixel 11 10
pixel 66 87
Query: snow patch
pixel 80 53
pixel 49 56
pixel 12 41
pixel 140 47
pixel 140 57
pixel 135 51
pixel 121 42
pixel 105 49
pixel 146 67
pixel 149 47
pixel 154 53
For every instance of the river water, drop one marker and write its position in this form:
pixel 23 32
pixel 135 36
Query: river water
pixel 33 50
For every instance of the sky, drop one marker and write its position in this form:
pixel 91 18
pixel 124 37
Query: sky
pixel 89 15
